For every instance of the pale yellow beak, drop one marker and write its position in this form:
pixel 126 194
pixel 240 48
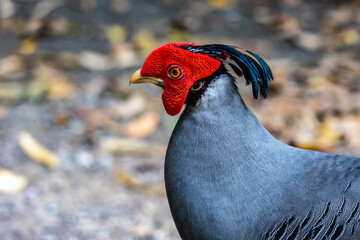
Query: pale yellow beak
pixel 137 78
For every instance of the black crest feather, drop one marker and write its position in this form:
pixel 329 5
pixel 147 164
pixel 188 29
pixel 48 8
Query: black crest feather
pixel 243 62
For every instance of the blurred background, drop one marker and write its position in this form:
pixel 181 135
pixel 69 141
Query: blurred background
pixel 82 153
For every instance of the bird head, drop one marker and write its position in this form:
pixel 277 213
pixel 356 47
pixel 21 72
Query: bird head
pixel 177 67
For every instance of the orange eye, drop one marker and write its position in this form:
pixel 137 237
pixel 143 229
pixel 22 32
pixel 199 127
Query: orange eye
pixel 175 72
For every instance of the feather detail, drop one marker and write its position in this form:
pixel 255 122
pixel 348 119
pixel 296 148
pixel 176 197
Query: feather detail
pixel 243 62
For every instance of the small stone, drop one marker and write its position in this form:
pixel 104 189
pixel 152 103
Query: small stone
pixel 94 61
pixel 7 8
pixel 309 41
pixel 84 159
pixel 119 6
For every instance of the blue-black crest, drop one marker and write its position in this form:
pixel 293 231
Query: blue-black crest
pixel 243 62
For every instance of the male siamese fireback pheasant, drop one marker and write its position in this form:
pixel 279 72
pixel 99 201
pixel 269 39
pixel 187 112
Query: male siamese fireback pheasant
pixel 226 177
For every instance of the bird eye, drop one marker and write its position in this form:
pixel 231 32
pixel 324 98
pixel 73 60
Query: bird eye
pixel 175 72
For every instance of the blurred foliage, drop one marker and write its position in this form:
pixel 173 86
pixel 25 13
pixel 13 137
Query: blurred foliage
pixel 65 102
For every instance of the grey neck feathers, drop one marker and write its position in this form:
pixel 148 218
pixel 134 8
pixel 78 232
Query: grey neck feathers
pixel 221 103
pixel 222 114
pixel 240 146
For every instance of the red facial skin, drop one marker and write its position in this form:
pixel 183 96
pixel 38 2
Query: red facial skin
pixel 194 66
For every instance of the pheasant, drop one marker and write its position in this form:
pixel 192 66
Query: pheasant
pixel 226 176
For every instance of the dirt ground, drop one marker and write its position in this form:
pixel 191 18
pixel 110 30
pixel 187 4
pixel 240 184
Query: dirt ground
pixel 82 152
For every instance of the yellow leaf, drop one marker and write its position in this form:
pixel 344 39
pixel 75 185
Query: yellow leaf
pixel 28 46
pixel 177 35
pixel 116 34
pixel 11 92
pixel 329 135
pixel 143 126
pixel 131 146
pixel 220 4
pixel 11 183
pixel 37 151
pixel 145 41
pixel 60 89
pixel 51 82
pixel 132 182
pixel 349 37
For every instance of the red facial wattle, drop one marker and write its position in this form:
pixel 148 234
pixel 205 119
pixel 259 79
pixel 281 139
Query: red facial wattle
pixel 193 66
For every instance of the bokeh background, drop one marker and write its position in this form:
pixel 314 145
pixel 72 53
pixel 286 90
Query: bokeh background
pixel 82 153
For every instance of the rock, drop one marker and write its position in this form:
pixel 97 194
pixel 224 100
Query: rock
pixel 118 6
pixel 84 158
pixel 123 55
pixel 127 109
pixel 94 61
pixel 7 8
pixel 308 41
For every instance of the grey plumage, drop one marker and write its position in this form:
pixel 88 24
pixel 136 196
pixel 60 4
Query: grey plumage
pixel 228 178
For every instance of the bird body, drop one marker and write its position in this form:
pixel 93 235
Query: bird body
pixel 227 178
pixel 254 184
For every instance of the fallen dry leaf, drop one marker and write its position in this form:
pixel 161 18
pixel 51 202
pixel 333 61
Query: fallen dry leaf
pixel 349 37
pixel 28 46
pixel 287 24
pixel 177 35
pixel 100 118
pixel 11 92
pixel 345 38
pixel 10 64
pixel 11 183
pixel 116 33
pixel 142 230
pixel 94 61
pixel 328 135
pixel 51 82
pixel 132 182
pixel 60 89
pixel 143 126
pixel 145 41
pixel 133 146
pixel 220 4
pixel 350 127
pixel 37 151
pixel 127 109
pixel 66 60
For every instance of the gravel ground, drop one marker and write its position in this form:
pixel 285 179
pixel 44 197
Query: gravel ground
pixel 81 199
